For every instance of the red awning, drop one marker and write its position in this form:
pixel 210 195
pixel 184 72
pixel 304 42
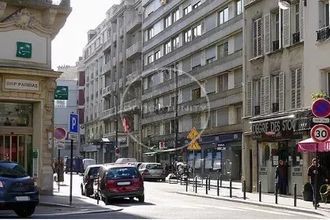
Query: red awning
pixel 309 145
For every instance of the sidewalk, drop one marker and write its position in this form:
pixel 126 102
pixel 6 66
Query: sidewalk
pixel 267 199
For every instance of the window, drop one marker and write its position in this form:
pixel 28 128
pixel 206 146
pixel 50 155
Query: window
pixel 166 74
pixel 256 96
pixel 187 36
pixel 296 88
pixel 157 55
pixel 296 17
pixel 168 47
pixel 222 117
pixel 150 58
pixel 187 9
pixel 276 31
pixel 176 42
pixel 223 50
pixel 197 5
pixel 212 123
pixel 275 88
pixel 239 7
pixel 239 111
pixel 257 37
pixel 197 31
pixel 223 82
pixel 196 93
pixel 176 15
pixel 150 33
pixel 168 21
pixel 223 16
pixel 210 54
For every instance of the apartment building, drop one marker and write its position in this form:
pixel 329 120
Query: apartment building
pixel 28 82
pixel 192 77
pixel 276 98
pixel 112 60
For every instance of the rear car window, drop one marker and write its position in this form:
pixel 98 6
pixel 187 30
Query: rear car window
pixel 154 166
pixel 93 171
pixel 123 173
pixel 12 170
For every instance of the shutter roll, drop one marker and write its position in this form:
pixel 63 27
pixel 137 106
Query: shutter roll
pixel 286 28
pixel 267 41
pixel 282 92
pixel 248 99
pixel 266 94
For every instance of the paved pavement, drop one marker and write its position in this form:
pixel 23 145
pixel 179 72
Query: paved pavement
pixel 267 199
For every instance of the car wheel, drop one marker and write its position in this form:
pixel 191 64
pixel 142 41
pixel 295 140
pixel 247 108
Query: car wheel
pixel 82 190
pixel 106 200
pixel 131 199
pixel 141 198
pixel 25 212
pixel 163 179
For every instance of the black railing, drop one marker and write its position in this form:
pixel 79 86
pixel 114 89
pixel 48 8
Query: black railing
pixel 257 110
pixel 323 33
pixel 276 107
pixel 296 38
pixel 276 45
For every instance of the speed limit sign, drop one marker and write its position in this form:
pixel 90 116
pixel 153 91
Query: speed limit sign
pixel 320 133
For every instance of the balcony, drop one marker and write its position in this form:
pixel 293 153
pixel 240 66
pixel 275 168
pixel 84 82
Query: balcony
pixel 107 91
pixel 133 77
pixel 107 113
pixel 276 45
pixel 323 34
pixel 133 24
pixel 131 105
pixel 296 38
pixel 106 68
pixel 275 107
pixel 257 110
pixel 133 50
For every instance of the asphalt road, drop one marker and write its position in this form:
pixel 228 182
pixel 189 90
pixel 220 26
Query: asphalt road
pixel 163 201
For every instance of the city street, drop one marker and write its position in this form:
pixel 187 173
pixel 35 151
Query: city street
pixel 163 201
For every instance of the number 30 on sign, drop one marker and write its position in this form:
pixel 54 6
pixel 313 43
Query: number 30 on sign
pixel 320 133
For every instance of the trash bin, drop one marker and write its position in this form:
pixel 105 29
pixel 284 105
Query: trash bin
pixel 308 192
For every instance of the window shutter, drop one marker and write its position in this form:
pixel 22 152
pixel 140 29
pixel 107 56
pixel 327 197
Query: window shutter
pixel 301 22
pixel 286 28
pixel 260 40
pixel 282 92
pixel 211 52
pixel 293 89
pixel 210 85
pixel 254 38
pixel 262 96
pixel 267 33
pixel 248 99
pixel 266 94
pixel 298 91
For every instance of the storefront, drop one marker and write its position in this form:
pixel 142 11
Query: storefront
pixel 276 139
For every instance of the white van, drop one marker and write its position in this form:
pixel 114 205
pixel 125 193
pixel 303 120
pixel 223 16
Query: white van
pixel 126 160
pixel 87 162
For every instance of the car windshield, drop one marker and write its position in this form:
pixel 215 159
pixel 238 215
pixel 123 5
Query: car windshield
pixel 12 170
pixel 154 166
pixel 122 173
pixel 93 171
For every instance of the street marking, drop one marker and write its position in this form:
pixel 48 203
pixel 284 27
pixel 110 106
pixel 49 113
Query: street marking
pixel 266 211
pixel 222 208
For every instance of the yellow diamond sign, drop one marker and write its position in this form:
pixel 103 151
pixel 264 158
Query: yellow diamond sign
pixel 193 135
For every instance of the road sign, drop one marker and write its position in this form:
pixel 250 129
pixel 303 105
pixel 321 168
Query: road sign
pixel 60 144
pixel 320 133
pixel 60 134
pixel 194 145
pixel 321 108
pixel 193 135
pixel 321 120
pixel 61 93
pixel 73 136
pixel 74 123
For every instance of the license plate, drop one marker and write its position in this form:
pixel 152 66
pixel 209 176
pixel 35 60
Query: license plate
pixel 22 198
pixel 123 183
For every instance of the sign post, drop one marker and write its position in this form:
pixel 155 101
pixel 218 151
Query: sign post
pixel 74 126
pixel 193 145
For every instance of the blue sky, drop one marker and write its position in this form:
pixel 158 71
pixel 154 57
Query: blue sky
pixel 70 41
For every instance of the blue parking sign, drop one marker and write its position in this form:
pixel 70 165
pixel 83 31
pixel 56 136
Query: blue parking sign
pixel 74 123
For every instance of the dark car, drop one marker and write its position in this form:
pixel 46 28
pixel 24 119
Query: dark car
pixel 119 181
pixel 17 189
pixel 90 175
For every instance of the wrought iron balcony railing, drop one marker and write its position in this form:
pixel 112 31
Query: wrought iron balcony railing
pixel 323 33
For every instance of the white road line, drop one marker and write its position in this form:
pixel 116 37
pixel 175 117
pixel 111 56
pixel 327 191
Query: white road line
pixel 267 211
pixel 222 208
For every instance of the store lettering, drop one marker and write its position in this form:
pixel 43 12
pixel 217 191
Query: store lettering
pixel 274 126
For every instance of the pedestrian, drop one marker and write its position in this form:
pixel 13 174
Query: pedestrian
pixel 317 178
pixel 282 177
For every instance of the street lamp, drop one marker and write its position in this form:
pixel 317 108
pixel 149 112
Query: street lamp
pixel 284 4
pixel 116 120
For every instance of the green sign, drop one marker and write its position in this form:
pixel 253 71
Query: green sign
pixel 23 49
pixel 61 93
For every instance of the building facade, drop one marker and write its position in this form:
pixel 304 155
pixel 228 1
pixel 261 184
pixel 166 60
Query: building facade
pixel 277 96
pixel 112 60
pixel 27 84
pixel 192 78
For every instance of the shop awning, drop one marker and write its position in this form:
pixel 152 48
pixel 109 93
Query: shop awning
pixel 309 145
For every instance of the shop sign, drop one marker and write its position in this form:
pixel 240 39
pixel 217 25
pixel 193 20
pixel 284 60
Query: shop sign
pixel 283 126
pixel 22 84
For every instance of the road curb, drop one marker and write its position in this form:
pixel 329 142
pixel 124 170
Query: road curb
pixel 255 203
pixel 55 204
pixel 78 212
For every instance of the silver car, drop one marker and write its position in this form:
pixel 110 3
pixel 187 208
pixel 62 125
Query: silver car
pixel 154 171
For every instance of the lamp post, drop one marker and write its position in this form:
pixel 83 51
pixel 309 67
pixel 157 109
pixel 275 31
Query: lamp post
pixel 116 120
pixel 176 114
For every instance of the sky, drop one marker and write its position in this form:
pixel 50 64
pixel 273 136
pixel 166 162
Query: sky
pixel 68 45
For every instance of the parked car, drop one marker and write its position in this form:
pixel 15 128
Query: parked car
pixel 153 171
pixel 126 160
pixel 17 189
pixel 87 161
pixel 119 181
pixel 90 175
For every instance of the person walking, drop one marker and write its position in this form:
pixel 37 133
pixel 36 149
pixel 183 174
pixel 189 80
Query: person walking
pixel 317 178
pixel 282 177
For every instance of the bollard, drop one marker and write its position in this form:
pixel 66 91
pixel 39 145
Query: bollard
pixel 209 183
pixel 220 180
pixel 244 190
pixel 276 193
pixel 195 184
pixel 259 188
pixel 206 186
pixel 187 184
pixel 98 188
pixel 230 188
pixel 295 195
pixel 218 186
